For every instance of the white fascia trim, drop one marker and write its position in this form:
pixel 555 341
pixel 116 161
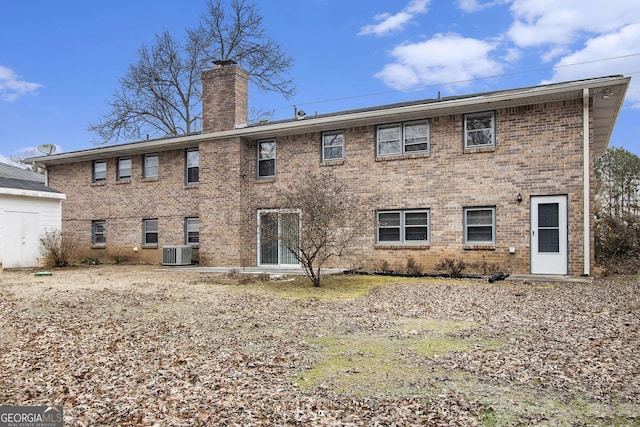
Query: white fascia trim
pixel 32 193
pixel 486 100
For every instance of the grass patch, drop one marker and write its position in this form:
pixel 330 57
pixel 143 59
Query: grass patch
pixel 336 286
pixel 392 362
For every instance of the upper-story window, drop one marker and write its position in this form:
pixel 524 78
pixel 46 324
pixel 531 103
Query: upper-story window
pixel 403 138
pixel 150 166
pixel 332 145
pixel 99 171
pixel 480 225
pixel 124 168
pixel 193 166
pixel 479 130
pixel 403 227
pixel 266 159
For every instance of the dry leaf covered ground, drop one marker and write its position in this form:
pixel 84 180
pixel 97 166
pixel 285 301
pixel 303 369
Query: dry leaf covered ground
pixel 135 345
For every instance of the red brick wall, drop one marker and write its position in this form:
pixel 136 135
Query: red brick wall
pixel 538 152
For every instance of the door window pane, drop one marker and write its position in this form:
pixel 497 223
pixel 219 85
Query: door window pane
pixel 548 227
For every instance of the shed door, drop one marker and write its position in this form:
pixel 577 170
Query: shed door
pixel 21 246
pixel 549 235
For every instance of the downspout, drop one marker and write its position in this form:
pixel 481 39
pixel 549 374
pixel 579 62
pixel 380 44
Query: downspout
pixel 586 170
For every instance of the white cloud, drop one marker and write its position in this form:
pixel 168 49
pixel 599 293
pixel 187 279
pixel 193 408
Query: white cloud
pixel 445 58
pixel 471 6
pixel 12 88
pixel 619 44
pixel 549 22
pixel 388 23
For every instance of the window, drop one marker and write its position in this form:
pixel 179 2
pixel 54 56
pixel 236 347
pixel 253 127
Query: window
pixel 193 165
pixel 99 171
pixel 150 232
pixel 124 168
pixel 403 138
pixel 266 159
pixel 480 226
pixel 403 227
pixel 150 166
pixel 98 233
pixel 192 231
pixel 332 146
pixel 479 130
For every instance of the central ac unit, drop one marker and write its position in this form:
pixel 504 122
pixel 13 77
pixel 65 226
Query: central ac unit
pixel 176 255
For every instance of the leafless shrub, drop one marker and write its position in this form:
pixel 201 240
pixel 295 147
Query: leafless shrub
pixel 413 267
pixel 57 248
pixel 452 266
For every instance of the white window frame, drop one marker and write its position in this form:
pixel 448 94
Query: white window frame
pixel 468 132
pixel 330 137
pixel 103 173
pixel 190 167
pixel 95 233
pixel 402 227
pixel 466 226
pixel 266 159
pixel 192 225
pixel 402 140
pixel 121 176
pixel 145 223
pixel 146 167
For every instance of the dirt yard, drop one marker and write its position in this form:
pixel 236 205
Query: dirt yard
pixel 136 345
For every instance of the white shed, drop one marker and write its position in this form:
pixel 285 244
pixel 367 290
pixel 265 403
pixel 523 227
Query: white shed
pixel 28 208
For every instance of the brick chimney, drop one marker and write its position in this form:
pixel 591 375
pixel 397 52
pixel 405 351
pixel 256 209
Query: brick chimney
pixel 224 96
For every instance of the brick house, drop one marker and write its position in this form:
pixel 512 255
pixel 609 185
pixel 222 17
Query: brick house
pixel 502 178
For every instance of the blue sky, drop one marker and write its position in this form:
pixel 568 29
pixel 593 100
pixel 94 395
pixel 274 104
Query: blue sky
pixel 60 61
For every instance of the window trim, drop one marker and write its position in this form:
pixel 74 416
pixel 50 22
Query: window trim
pixel 465 226
pixel 94 233
pixel 119 177
pixel 187 168
pixel 275 151
pixel 94 178
pixel 401 126
pixel 465 131
pixel 186 231
pixel 342 145
pixel 402 227
pixel 145 243
pixel 144 165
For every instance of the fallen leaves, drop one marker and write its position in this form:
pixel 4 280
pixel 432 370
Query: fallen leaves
pixel 134 346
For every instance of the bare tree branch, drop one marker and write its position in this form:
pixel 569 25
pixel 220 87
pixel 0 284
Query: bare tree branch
pixel 161 93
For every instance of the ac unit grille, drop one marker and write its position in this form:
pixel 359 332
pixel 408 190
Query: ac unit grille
pixel 176 255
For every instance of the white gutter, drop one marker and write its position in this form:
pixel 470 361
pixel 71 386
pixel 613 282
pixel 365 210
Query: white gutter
pixel 586 185
pixel 324 122
pixel 31 193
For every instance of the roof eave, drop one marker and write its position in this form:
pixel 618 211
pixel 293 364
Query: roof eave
pixel 507 98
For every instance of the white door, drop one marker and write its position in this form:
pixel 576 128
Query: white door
pixel 277 228
pixel 549 235
pixel 21 244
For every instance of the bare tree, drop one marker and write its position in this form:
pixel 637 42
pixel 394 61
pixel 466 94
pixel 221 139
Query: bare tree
pixel 331 223
pixel 161 93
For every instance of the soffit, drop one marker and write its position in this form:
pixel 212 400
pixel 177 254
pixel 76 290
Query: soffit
pixel 605 112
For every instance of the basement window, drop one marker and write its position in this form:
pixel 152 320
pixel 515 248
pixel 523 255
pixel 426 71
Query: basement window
pixel 403 227
pixel 99 233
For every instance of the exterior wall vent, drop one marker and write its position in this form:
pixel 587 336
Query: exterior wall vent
pixel 176 255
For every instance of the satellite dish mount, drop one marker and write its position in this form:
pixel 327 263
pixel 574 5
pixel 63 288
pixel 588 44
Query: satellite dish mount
pixel 47 149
